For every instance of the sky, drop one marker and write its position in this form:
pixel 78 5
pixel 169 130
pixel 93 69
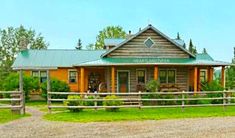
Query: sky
pixel 209 23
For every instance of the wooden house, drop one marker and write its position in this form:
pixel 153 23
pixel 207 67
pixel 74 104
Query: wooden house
pixel 124 65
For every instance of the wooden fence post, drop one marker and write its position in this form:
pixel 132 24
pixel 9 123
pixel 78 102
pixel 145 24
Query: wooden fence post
pixel 22 95
pixel 183 102
pixel 140 101
pixel 224 99
pixel 48 90
pixel 95 101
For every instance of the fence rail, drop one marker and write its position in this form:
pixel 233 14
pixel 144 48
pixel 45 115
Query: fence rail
pixel 16 101
pixel 183 98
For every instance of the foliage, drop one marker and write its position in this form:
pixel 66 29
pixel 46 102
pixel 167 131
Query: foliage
pixel 79 44
pixel 74 103
pixel 214 86
pixel 158 96
pixel 230 77
pixel 109 102
pixel 192 49
pixel 153 86
pixel 109 32
pixel 90 47
pixel 11 83
pixel 56 86
pixel 178 36
pixel 14 40
pixel 204 51
pixel 193 102
pixel 92 103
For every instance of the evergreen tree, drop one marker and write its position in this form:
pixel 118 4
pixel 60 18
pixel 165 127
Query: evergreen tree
pixel 79 44
pixel 190 48
pixel 204 51
pixel 230 75
pixel 178 36
pixel 184 46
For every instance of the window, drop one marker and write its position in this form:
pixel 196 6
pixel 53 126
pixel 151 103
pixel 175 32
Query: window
pixel 43 76
pixel 203 76
pixel 149 42
pixel 163 76
pixel 35 73
pixel 140 76
pixel 167 76
pixel 72 76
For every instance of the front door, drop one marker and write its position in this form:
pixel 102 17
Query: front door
pixel 123 81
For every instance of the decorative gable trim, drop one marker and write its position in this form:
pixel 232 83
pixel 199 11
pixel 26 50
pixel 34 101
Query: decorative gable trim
pixel 140 32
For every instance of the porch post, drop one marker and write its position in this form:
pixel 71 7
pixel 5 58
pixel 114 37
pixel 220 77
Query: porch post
pixel 209 74
pixel 82 79
pixel 198 80
pixel 223 77
pixel 113 79
pixel 195 79
pixel 156 72
pixel 21 87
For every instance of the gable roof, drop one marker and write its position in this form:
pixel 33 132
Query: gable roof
pixel 140 32
pixel 54 58
pixel 113 41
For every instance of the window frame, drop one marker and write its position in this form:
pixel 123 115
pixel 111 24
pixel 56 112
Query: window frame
pixel 167 76
pixel 145 75
pixel 149 38
pixel 40 76
pixel 205 75
pixel 76 77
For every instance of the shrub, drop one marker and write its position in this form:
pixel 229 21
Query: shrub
pixel 56 86
pixel 192 102
pixel 109 102
pixel 214 86
pixel 11 83
pixel 92 103
pixel 74 103
pixel 153 86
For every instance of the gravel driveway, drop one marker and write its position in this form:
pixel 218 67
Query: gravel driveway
pixel 35 126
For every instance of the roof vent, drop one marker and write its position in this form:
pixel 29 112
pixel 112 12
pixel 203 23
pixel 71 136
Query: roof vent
pixel 149 42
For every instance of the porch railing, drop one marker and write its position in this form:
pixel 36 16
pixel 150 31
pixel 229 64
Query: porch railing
pixel 182 99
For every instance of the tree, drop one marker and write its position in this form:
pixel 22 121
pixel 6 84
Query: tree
pixel 178 36
pixel 90 47
pixel 14 40
pixel 184 45
pixel 204 51
pixel 79 44
pixel 192 48
pixel 109 32
pixel 230 75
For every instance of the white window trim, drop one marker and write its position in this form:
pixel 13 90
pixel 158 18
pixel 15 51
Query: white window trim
pixel 151 40
pixel 129 83
pixel 69 70
pixel 145 74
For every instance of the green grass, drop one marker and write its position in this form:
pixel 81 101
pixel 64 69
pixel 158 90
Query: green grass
pixel 137 114
pixel 6 115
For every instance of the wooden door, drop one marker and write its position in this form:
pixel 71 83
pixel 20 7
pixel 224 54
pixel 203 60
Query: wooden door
pixel 123 81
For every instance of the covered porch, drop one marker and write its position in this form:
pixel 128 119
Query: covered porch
pixel 133 78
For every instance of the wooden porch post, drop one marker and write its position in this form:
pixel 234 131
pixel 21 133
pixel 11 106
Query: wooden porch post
pixel 195 79
pixel 223 77
pixel 48 90
pixel 82 87
pixel 155 72
pixel 209 74
pixel 113 79
pixel 21 81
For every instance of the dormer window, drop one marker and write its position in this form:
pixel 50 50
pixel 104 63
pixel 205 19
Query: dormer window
pixel 149 42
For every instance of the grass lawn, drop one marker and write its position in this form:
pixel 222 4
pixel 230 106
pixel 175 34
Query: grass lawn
pixel 143 114
pixel 6 116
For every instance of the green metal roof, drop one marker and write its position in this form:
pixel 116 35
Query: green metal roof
pixel 50 58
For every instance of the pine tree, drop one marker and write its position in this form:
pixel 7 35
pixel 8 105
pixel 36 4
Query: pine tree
pixel 178 36
pixel 184 46
pixel 190 48
pixel 204 51
pixel 79 44
pixel 194 50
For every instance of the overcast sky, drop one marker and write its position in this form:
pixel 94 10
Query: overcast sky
pixel 210 23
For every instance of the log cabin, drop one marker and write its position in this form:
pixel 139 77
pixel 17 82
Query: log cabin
pixel 124 65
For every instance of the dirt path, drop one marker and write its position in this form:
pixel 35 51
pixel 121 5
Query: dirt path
pixel 35 126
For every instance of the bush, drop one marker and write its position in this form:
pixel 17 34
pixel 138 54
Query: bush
pixel 11 83
pixel 56 86
pixel 192 102
pixel 109 102
pixel 153 86
pixel 158 96
pixel 74 103
pixel 92 103
pixel 214 86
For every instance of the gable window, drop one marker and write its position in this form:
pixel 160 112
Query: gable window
pixel 72 76
pixel 43 76
pixel 167 76
pixel 140 76
pixel 149 42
